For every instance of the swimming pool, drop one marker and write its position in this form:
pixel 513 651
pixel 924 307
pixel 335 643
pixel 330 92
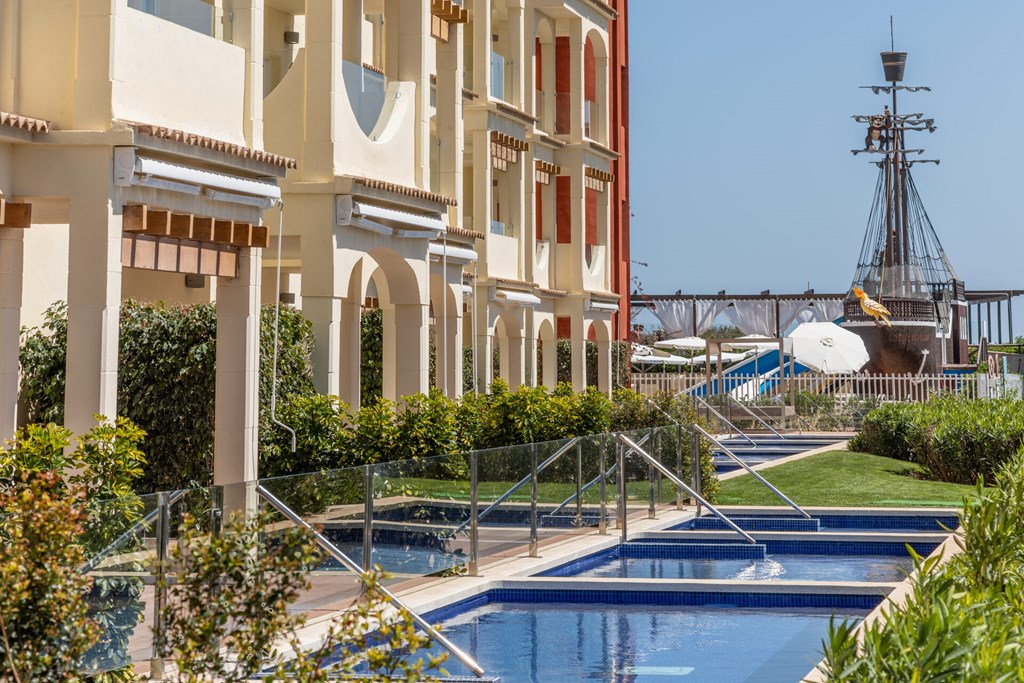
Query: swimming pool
pixel 583 636
pixel 758 521
pixel 741 561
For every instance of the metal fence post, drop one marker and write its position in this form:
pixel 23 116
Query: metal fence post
pixel 695 466
pixel 163 523
pixel 602 523
pixel 621 453
pixel 679 464
pixel 533 501
pixel 368 518
pixel 579 485
pixel 474 526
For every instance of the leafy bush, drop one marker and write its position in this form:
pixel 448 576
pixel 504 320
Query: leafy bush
pixel 954 439
pixel 371 355
pixel 44 629
pixel 229 612
pixel 166 380
pixel 102 470
pixel 964 621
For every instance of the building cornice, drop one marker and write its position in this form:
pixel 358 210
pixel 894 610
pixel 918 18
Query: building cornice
pixel 204 142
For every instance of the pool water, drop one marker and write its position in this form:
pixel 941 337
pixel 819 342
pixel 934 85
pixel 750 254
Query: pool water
pixel 768 561
pixel 579 643
pixel 774 567
pixel 934 523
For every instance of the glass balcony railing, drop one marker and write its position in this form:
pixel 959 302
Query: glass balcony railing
pixel 504 229
pixel 587 111
pixel 192 14
pixel 497 76
pixel 365 88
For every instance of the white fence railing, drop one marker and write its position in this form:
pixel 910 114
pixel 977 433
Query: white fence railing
pixel 841 387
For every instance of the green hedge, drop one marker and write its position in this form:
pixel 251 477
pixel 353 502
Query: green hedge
pixel 166 380
pixel 963 621
pixel 954 439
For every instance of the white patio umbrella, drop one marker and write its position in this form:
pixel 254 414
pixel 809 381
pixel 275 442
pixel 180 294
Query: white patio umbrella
pixel 828 348
pixel 682 344
pixel 751 341
pixel 725 357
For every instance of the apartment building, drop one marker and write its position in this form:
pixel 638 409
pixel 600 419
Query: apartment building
pixel 449 163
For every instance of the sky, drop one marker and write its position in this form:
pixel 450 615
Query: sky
pixel 741 175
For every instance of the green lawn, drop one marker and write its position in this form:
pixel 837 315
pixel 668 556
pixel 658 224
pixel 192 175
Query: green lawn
pixel 844 479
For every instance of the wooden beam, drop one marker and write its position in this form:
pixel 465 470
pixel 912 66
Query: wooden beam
pixel 15 215
pixel 133 217
pixel 260 237
pixel 242 235
pixel 181 226
pixel 158 222
pixel 223 231
pixel 202 228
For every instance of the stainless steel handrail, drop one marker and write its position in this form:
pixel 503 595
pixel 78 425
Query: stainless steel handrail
pixel 150 516
pixel 778 399
pixel 748 468
pixel 519 484
pixel 729 397
pixel 724 419
pixel 586 487
pixel 349 564
pixel 667 473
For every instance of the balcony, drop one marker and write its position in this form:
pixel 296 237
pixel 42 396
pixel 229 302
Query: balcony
pixel 499 82
pixel 503 229
pixel 195 15
pixel 171 72
pixel 365 87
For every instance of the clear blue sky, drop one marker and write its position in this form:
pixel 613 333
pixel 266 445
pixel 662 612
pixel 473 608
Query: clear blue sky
pixel 741 172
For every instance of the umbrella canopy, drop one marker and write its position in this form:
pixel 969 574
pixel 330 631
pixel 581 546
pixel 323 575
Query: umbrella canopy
pixel 658 360
pixel 726 358
pixel 828 348
pixel 750 341
pixel 682 344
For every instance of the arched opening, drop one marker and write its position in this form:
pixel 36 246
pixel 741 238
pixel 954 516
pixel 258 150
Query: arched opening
pixel 595 88
pixel 445 337
pixel 598 355
pixel 547 355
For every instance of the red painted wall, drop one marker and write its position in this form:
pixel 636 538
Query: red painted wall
pixel 563 209
pixel 619 119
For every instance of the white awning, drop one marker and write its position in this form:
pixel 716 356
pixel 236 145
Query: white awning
pixel 132 169
pixel 602 306
pixel 453 253
pixel 385 221
pixel 514 297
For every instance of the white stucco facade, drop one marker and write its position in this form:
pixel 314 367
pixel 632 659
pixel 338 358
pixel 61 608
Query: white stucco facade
pixel 445 162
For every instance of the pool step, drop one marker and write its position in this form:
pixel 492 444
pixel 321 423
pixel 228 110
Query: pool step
pixel 708 523
pixel 694 551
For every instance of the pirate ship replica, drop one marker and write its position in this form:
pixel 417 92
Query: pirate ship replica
pixel 902 264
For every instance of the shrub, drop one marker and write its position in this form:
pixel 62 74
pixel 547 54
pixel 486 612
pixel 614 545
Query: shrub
pixel 229 612
pixel 371 352
pixel 167 379
pixel 44 628
pixel 964 620
pixel 103 468
pixel 954 439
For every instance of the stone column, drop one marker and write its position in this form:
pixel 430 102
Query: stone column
pixel 325 313
pixel 514 351
pixel 519 51
pixel 484 346
pixel 352 32
pixel 94 298
pixel 407 345
pixel 236 430
pixel 576 42
pixel 411 52
pixel 12 261
pixel 530 349
pixel 247 21
pixel 604 365
pixel 578 341
pixel 550 361
pixel 450 126
pixel 350 360
pixel 480 15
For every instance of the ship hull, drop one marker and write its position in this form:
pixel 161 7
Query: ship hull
pixel 900 349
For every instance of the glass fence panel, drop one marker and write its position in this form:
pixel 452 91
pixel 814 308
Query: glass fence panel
pixel 333 503
pixel 119 540
pixel 421 517
pixel 504 492
pixel 567 506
